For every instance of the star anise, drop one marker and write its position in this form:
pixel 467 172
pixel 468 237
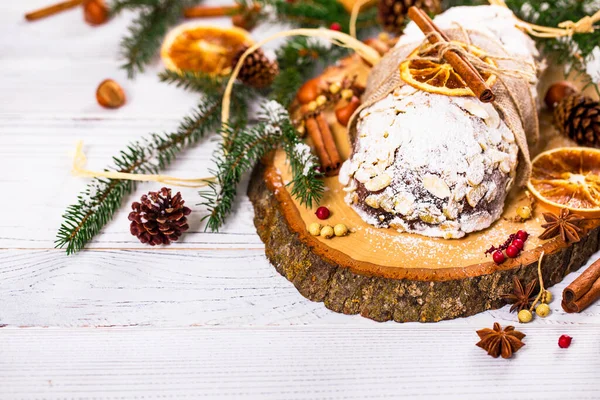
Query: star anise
pixel 520 297
pixel 565 224
pixel 498 342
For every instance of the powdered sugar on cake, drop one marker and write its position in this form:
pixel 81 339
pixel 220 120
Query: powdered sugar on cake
pixel 431 164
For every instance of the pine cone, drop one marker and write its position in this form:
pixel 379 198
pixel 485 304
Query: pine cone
pixel 159 218
pixel 578 117
pixel 257 71
pixel 392 13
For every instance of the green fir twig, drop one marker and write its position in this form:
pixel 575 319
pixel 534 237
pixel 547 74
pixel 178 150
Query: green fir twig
pixel 194 81
pixel 574 51
pixel 236 158
pixel 147 30
pixel 100 200
pixel 116 6
pixel 318 13
pixel 299 58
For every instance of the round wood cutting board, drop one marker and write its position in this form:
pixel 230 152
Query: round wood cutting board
pixel 386 275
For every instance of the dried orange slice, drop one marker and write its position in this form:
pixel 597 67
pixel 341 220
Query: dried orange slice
pixel 568 177
pixel 433 77
pixel 200 48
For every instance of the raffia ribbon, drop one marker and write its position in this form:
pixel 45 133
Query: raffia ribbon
pixel 80 160
pixel 565 28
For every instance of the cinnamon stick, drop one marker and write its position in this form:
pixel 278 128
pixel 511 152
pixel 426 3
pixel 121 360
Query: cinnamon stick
pixel 322 138
pixel 583 291
pixel 51 10
pixel 461 65
pixel 205 12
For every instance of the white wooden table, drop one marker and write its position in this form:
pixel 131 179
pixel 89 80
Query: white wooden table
pixel 207 317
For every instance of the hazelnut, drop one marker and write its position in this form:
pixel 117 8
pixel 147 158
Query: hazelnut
pixel 525 316
pixel 327 232
pixel 95 12
pixel 110 94
pixel 557 92
pixel 314 229
pixel 344 113
pixel 340 230
pixel 309 91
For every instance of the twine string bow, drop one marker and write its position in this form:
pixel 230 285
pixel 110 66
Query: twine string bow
pixel 441 47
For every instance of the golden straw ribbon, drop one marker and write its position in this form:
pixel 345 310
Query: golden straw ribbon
pixel 565 28
pixel 80 160
pixel 354 15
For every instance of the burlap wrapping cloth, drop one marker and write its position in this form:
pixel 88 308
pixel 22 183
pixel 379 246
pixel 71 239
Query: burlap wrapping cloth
pixel 514 99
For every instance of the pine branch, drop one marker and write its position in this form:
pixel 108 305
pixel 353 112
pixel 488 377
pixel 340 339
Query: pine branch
pixel 286 85
pixel 100 200
pixel 233 159
pixel 298 58
pixel 117 6
pixel 307 185
pixel 194 81
pixel 316 13
pixel 573 51
pixel 240 155
pixel 147 30
pixel 208 85
pixel 306 53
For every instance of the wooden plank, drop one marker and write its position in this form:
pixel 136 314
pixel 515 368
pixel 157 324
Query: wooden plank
pixel 391 361
pixel 149 287
pixel 184 288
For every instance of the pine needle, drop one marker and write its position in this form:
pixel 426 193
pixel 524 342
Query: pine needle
pixel 237 157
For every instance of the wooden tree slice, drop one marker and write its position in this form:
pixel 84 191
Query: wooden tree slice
pixel 321 273
pixel 385 275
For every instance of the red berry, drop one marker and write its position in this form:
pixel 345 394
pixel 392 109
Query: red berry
pixel 522 235
pixel 335 27
pixel 498 257
pixel 518 243
pixel 512 251
pixel 322 212
pixel 564 341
